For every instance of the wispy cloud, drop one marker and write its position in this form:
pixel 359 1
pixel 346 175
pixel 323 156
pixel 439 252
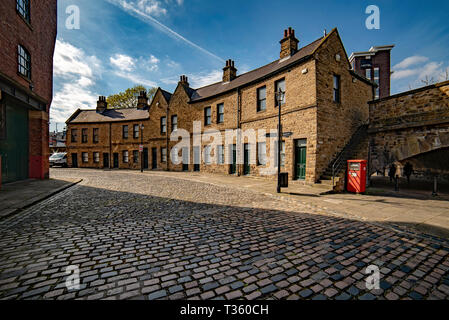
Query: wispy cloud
pixel 418 68
pixel 410 61
pixel 205 78
pixel 152 7
pixel 133 9
pixel 76 72
pixel 136 79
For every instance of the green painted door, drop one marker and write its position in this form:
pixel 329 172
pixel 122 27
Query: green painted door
pixel 14 148
pixel 233 166
pixel 246 165
pixel 300 159
pixel 116 163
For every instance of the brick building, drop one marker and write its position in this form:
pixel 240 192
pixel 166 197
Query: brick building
pixel 27 42
pixel 325 103
pixel 374 65
pixel 107 138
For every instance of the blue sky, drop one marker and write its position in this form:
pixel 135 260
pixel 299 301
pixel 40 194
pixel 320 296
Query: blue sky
pixel 121 43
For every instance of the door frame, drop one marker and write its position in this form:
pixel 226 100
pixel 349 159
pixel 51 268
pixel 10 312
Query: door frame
pixel 297 156
pixel 246 159
pixel 145 159
pixel 106 157
pixel 75 157
pixel 196 156
pixel 116 156
pixel 233 156
pixel 153 158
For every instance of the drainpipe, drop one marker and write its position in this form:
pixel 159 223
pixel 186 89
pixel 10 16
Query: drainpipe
pixel 110 146
pixel 239 126
pixel 167 140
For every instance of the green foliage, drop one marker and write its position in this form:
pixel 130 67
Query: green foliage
pixel 128 98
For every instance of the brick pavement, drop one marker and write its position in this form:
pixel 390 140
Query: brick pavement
pixel 148 237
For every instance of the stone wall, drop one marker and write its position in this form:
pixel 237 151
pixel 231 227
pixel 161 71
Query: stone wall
pixel 337 121
pixel 409 124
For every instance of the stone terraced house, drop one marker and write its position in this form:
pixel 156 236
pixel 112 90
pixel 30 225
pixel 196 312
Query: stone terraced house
pixel 325 104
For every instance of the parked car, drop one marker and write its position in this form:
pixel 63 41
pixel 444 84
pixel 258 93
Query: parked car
pixel 58 159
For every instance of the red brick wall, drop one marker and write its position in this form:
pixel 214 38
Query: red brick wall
pixel 38 38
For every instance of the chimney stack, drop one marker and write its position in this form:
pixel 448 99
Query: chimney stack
pixel 142 100
pixel 289 44
pixel 102 105
pixel 229 72
pixel 184 80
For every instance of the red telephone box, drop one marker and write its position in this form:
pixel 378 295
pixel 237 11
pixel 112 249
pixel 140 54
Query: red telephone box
pixel 357 176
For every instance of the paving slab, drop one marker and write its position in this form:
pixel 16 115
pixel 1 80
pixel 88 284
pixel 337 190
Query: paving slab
pixel 19 195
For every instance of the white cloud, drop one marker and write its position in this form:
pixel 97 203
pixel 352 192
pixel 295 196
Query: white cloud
pixel 76 73
pixel 123 62
pixel 73 95
pixel 151 7
pixel 69 60
pixel 407 62
pixel 203 79
pixel 419 68
pixel 404 73
pixel 152 64
pixel 154 60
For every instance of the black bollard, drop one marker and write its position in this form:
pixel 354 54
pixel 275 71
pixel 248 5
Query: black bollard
pixel 396 183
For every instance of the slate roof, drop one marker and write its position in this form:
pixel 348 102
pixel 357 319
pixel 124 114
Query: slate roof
pixel 109 115
pixel 167 95
pixel 254 75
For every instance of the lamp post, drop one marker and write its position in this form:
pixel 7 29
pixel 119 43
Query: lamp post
pixel 280 95
pixel 141 146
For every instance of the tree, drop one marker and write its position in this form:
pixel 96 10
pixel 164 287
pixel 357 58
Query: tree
pixel 128 98
pixel 428 81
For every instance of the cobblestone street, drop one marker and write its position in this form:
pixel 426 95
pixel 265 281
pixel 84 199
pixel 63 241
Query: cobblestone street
pixel 145 236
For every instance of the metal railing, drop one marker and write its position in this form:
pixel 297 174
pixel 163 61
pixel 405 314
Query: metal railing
pixel 341 159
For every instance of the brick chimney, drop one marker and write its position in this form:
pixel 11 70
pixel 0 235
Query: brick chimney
pixel 229 72
pixel 184 80
pixel 102 105
pixel 142 100
pixel 289 44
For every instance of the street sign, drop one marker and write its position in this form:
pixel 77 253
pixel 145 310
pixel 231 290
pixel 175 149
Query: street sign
pixel 274 135
pixel 141 148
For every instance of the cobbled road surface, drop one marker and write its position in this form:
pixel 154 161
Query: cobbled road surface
pixel 146 236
